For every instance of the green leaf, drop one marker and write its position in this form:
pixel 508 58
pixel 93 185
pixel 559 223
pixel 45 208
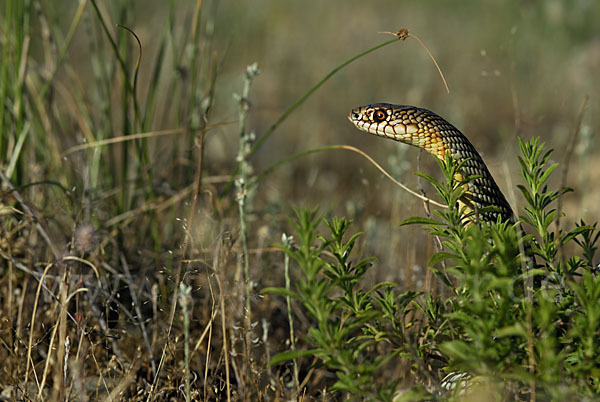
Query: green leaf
pixel 441 256
pixel 279 291
pixel 513 330
pixel 547 173
pixel 526 194
pixel 458 350
pixel 427 177
pixel 386 284
pixel 579 229
pixel 420 220
pixel 415 394
pixel 290 355
pixel 442 277
pixel 531 273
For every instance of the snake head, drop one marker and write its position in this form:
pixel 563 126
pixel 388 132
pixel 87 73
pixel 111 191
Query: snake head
pixel 371 114
pixel 372 118
pixel 384 120
pixel 426 130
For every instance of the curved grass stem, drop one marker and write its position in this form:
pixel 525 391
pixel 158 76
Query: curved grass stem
pixel 301 100
pixel 348 148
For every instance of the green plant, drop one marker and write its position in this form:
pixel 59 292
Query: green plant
pixel 503 331
pixel 350 322
pixel 508 332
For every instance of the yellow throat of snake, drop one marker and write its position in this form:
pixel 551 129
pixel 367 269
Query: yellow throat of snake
pixel 426 130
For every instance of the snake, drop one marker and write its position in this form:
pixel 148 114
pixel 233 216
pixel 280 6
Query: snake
pixel 426 130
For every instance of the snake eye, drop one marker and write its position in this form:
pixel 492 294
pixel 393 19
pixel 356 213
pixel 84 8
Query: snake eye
pixel 379 116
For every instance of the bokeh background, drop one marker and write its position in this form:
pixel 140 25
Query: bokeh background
pixel 515 69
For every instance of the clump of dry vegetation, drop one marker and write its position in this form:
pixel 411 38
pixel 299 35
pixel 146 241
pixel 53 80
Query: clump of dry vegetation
pixel 146 243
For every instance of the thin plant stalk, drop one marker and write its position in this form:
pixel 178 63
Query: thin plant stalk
pixel 298 155
pixel 4 76
pixel 287 242
pixel 185 300
pixel 243 189
pixel 195 94
pixel 128 84
pixel 14 68
pixel 64 47
pixel 304 97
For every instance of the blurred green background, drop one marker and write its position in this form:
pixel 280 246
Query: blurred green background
pixel 515 68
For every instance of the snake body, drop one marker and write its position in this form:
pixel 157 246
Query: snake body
pixel 426 130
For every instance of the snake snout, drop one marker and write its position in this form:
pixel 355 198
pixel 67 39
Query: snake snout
pixel 354 115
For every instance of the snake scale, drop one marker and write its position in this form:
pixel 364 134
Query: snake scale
pixel 426 130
